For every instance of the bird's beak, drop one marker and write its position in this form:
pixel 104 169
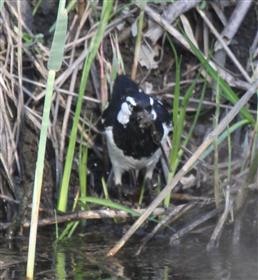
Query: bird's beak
pixel 144 118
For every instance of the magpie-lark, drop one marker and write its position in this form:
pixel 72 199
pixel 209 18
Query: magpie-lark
pixel 135 126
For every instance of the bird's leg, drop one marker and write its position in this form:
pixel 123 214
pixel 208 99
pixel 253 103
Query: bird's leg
pixel 148 183
pixel 130 189
pixel 148 176
pixel 118 172
pixel 133 176
pixel 110 178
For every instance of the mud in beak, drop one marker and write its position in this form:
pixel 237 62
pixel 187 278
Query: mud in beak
pixel 145 119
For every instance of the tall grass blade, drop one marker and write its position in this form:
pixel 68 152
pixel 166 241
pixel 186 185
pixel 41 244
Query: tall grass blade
pixel 42 147
pixel 1 4
pixel 226 90
pixel 57 49
pixel 196 116
pixel 39 174
pixel 178 118
pixel 229 171
pixel 176 112
pixel 109 203
pixel 223 136
pixel 216 187
pixel 60 265
pixel 106 11
pixel 83 159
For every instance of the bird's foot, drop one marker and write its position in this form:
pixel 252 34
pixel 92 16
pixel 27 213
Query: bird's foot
pixel 150 191
pixel 115 191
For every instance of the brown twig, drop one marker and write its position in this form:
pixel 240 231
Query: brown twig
pixel 176 212
pixel 214 240
pixel 90 215
pixel 181 39
pixel 166 25
pixel 193 225
pixel 224 45
pixel 137 44
pixel 170 14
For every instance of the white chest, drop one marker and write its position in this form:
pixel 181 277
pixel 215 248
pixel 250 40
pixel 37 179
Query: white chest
pixel 118 158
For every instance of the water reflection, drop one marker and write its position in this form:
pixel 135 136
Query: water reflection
pixel 83 256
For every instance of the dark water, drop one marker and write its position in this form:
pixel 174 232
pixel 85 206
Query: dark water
pixel 83 256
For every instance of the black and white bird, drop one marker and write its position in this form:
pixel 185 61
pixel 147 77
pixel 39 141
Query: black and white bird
pixel 135 125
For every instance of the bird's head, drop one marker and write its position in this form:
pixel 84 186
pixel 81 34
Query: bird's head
pixel 132 103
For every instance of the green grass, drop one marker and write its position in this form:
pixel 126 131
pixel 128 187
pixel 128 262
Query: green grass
pixel 108 203
pixel 223 90
pixel 178 118
pixel 54 64
pixel 95 43
pixel 226 91
pixel 83 151
pixel 83 169
pixel 1 4
pixel 113 205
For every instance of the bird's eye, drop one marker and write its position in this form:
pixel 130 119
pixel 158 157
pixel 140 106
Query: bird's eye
pixel 148 108
pixel 137 108
pixel 130 106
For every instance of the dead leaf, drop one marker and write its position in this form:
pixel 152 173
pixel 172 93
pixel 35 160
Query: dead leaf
pixel 147 56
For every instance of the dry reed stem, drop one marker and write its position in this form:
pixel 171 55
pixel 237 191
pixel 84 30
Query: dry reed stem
pixel 224 45
pixel 178 36
pixel 91 214
pixel 174 214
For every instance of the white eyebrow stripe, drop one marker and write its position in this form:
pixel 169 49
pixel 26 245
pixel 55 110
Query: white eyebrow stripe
pixel 131 100
pixel 153 114
pixel 124 114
